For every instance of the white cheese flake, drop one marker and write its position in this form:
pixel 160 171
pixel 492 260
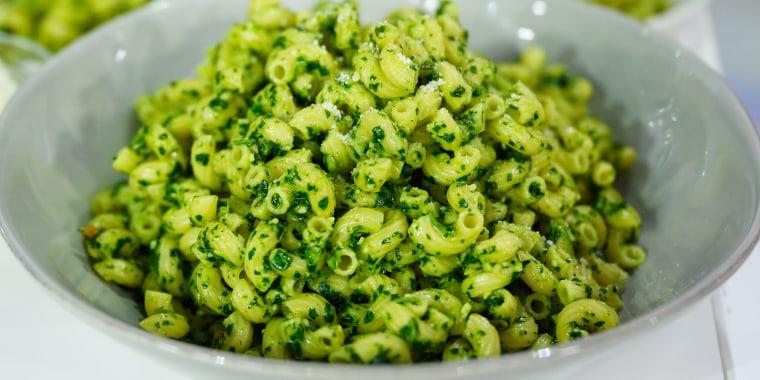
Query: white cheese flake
pixel 332 109
pixel 343 78
pixel 407 61
pixel 432 85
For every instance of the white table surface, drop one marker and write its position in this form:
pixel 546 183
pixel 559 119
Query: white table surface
pixel 715 339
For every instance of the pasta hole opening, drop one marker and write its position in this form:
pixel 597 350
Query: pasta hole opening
pixel 537 307
pixel 470 152
pixel 632 256
pixel 588 235
pixel 472 221
pixel 148 225
pixel 494 106
pixel 239 156
pixel 254 176
pixel 345 263
pixel 318 225
pixel 278 73
pixel 582 162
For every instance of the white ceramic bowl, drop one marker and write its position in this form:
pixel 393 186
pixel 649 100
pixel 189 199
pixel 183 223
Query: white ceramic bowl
pixel 19 58
pixel 696 184
pixel 690 24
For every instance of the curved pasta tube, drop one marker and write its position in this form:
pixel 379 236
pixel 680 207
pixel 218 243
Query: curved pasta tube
pixel 588 226
pixel 481 284
pixel 457 93
pixel 499 248
pixel 264 237
pixel 217 243
pixel 355 222
pixel 377 244
pixel 404 112
pixel 309 306
pixel 348 94
pixel 438 266
pixel 375 286
pixel 236 333
pixel 538 306
pixel 536 275
pixel 278 166
pixel 440 240
pixel 387 73
pixel 275 100
pixel 524 106
pixel 369 319
pixel 120 271
pixel 509 133
pixel 316 119
pixel 168 324
pixel 376 135
pixel 482 336
pixel 169 267
pixel 416 202
pixel 522 333
pixel 462 197
pixel 446 131
pixel 558 203
pixel 457 349
pixel 320 343
pixel 208 289
pixel 446 170
pixel 502 305
pixel 308 178
pixel 249 303
pixel 347 27
pixel 284 65
pixel 373 348
pixel 428 329
pixel 273 340
pixel 201 153
pixel 445 302
pixel 109 242
pixel 581 317
pixel 506 174
pixel 371 174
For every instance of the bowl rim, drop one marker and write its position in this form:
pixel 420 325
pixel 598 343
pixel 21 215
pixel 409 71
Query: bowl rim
pixel 25 44
pixel 517 360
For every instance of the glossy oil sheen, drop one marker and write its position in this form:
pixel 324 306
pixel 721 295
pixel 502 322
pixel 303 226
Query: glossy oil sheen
pixel 696 182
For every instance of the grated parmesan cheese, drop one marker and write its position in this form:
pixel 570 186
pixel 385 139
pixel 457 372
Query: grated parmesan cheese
pixel 343 78
pixel 332 109
pixel 432 86
pixel 404 59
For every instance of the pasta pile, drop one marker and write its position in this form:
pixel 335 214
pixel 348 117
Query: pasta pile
pixel 323 190
pixel 56 23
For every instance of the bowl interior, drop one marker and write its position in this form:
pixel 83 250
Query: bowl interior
pixel 695 184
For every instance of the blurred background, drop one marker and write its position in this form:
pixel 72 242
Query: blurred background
pixel 737 32
pixel 738 35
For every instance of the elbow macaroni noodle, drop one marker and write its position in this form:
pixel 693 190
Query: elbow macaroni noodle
pixel 374 194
